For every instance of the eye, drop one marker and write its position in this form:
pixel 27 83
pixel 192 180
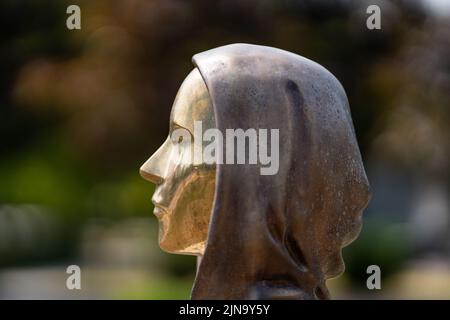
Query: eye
pixel 180 139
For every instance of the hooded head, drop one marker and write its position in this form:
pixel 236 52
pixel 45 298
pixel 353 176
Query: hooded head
pixel 278 236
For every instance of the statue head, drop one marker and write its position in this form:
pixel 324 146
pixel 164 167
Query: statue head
pixel 261 236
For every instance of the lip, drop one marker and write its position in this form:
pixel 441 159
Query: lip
pixel 159 210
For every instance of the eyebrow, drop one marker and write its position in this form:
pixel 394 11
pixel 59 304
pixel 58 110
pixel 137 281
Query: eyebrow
pixel 175 125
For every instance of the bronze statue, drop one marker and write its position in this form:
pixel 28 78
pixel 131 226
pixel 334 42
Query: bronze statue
pixel 276 236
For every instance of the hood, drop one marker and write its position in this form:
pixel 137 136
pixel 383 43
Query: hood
pixel 280 236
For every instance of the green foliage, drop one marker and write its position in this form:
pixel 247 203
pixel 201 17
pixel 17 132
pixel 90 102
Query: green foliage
pixel 380 243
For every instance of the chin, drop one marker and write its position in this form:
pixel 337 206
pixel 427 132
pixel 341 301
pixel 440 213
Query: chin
pixel 192 250
pixel 168 250
pixel 166 243
pixel 162 238
pixel 167 247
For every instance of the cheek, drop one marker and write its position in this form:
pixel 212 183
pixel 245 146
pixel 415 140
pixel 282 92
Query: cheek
pixel 187 223
pixel 185 182
pixel 194 196
pixel 178 171
pixel 181 160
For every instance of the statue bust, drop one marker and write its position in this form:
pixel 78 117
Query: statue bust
pixel 260 236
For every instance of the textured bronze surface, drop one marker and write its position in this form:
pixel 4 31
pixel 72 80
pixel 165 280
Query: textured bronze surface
pixel 270 236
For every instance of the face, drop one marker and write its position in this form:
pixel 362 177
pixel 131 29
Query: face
pixel 185 189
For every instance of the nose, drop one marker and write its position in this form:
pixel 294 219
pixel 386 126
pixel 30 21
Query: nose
pixel 150 176
pixel 152 170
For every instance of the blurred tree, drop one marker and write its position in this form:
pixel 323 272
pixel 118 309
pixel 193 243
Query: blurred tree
pixel 82 109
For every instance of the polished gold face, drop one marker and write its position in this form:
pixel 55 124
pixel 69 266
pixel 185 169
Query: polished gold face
pixel 184 191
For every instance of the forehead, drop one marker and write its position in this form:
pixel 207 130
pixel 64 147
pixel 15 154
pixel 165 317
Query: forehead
pixel 192 103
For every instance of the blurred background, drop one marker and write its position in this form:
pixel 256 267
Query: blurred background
pixel 81 110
